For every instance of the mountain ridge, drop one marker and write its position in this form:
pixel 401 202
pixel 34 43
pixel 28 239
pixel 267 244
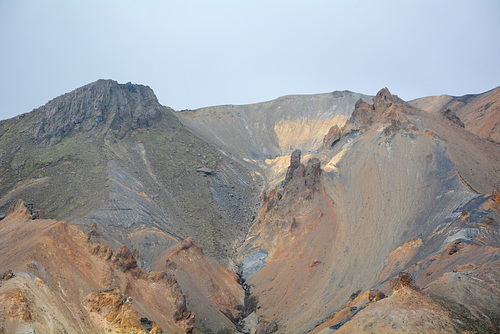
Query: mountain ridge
pixel 293 215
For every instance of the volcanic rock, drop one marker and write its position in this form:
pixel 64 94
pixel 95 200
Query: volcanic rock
pixel 480 113
pixel 28 209
pixel 331 137
pixel 386 108
pixel 403 280
pixel 135 176
pixel 301 180
pixel 124 259
pixel 215 294
pixel 206 171
pixel 496 196
pixel 113 307
pixel 313 174
pixel 375 295
pixel 294 164
pixel 453 117
pixel 18 308
pixel 7 275
pixel 98 108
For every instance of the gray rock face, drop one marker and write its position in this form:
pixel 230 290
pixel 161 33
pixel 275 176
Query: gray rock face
pixel 294 164
pixel 97 108
pixel 253 262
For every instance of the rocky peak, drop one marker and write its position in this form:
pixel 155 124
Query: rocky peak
pixel 386 108
pixel 187 245
pixel 301 179
pixel 294 164
pixel 384 99
pixel 403 280
pixel 98 108
pixel 331 137
pixel 313 174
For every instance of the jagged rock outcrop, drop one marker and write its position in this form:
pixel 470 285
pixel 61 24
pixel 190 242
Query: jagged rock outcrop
pixel 28 209
pixel 116 310
pixel 294 164
pixel 453 117
pixel 301 179
pixel 18 307
pixel 123 259
pixel 403 280
pixel 496 196
pixel 331 137
pixel 386 108
pixel 215 293
pixel 98 108
pixel 375 295
pixel 7 275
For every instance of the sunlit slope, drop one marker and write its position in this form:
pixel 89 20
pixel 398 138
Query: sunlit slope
pixel 480 113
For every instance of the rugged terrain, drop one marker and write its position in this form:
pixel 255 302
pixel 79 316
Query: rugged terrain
pixel 319 213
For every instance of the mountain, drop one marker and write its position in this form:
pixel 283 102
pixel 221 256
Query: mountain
pixel 314 213
pixel 110 154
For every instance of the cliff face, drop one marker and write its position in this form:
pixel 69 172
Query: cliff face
pixel 102 107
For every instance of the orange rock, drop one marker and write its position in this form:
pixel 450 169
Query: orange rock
pixel 124 259
pixel 7 275
pixel 19 308
pixel 403 280
pixel 496 196
pixel 315 263
pixel 465 267
pixel 375 295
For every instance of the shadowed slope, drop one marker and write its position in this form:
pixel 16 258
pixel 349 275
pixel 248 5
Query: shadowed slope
pixel 110 154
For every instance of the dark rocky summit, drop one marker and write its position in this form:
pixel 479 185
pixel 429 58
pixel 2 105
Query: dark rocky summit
pixel 98 108
pixel 386 107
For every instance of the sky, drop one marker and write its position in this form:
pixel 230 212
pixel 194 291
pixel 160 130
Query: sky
pixel 201 53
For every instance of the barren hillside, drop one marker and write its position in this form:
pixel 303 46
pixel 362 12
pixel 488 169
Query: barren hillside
pixel 323 213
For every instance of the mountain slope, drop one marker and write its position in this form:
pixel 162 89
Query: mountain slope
pixel 268 132
pixel 110 154
pixel 479 113
pixel 322 213
pixel 391 177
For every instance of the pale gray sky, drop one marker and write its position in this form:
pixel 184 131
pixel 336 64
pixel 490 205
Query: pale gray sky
pixel 201 53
